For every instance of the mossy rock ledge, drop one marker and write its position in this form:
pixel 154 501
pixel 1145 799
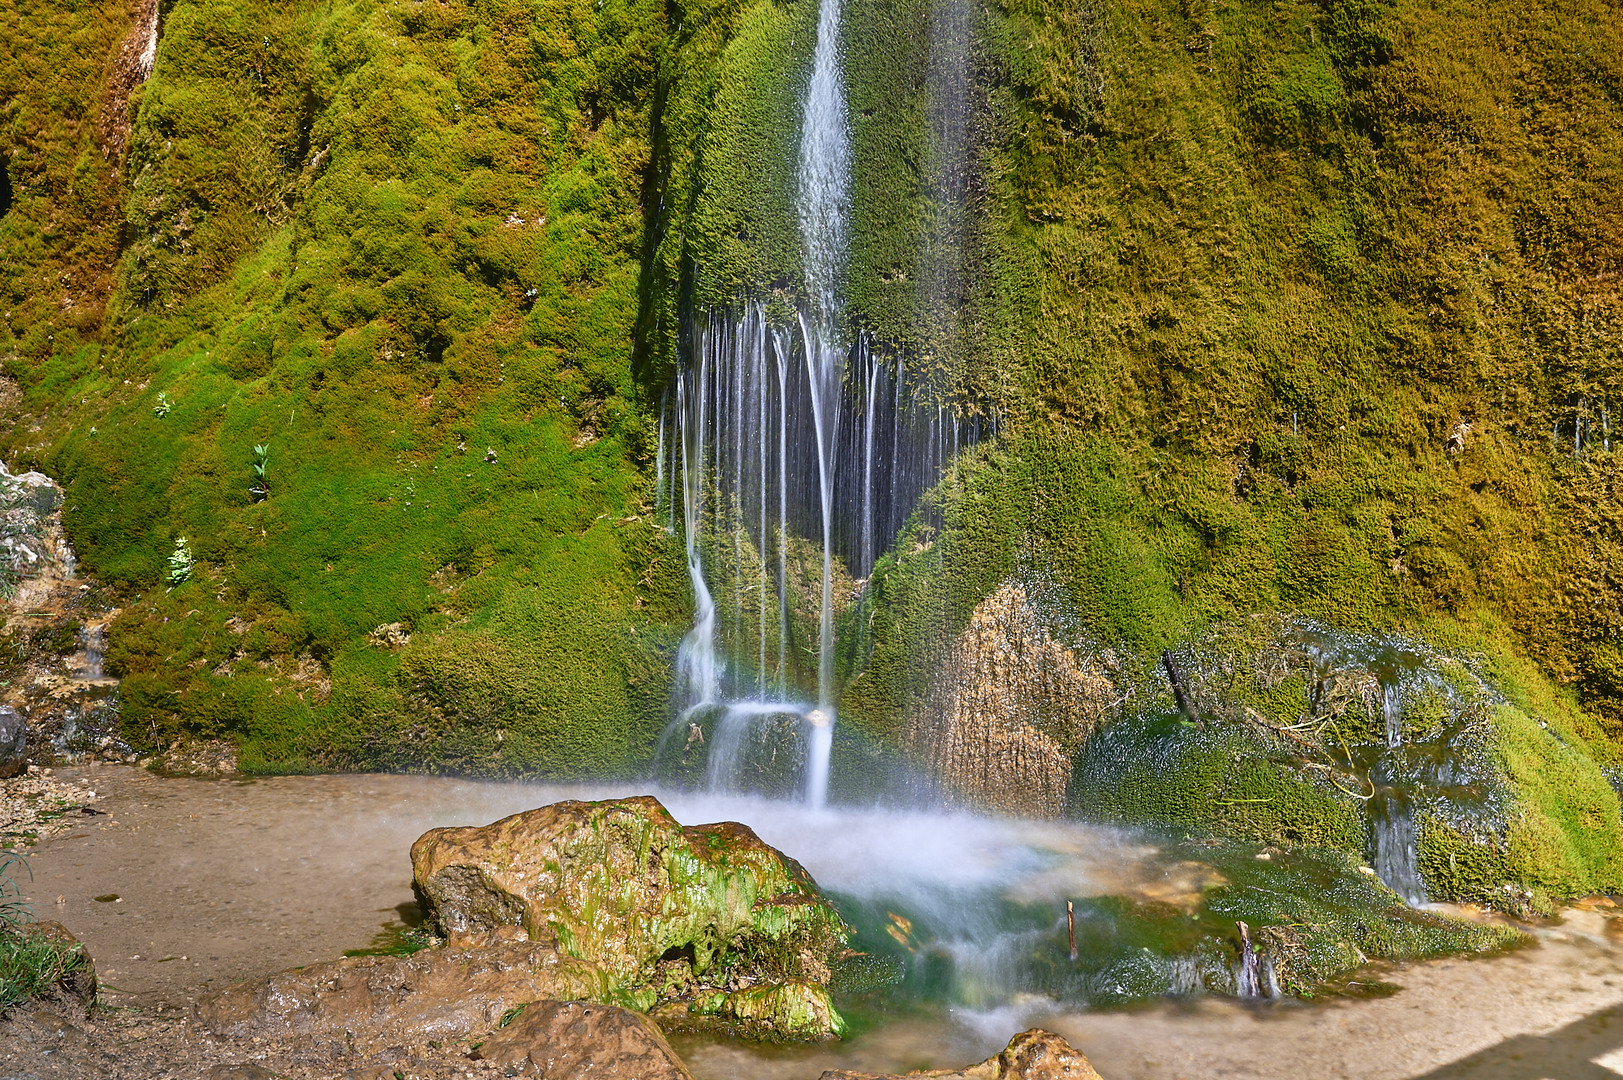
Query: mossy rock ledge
pixel 703 927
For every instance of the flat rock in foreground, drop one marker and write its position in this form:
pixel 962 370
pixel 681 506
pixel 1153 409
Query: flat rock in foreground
pixel 1031 1055
pixel 707 926
pixel 564 1040
pixel 435 993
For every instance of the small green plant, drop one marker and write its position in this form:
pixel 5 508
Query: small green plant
pixel 261 489
pixel 13 911
pixel 180 563
pixel 31 963
pixel 164 405
pixel 397 940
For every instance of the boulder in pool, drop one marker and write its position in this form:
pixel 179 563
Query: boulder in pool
pixel 1031 1055
pixel 707 927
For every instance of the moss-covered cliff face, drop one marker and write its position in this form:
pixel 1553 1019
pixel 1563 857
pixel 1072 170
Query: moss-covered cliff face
pixel 397 246
pixel 1291 306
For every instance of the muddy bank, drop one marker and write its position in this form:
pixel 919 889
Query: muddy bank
pixel 186 885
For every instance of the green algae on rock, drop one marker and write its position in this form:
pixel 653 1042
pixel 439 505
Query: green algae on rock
pixel 706 926
pixel 1308 734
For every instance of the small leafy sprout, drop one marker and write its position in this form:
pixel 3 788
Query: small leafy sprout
pixel 164 405
pixel 261 489
pixel 180 563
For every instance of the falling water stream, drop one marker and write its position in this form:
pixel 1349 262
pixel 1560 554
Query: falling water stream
pixel 781 432
pixel 1395 834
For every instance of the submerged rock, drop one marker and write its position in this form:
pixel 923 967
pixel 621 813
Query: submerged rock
pixel 1034 1054
pixel 708 925
pixel 559 1040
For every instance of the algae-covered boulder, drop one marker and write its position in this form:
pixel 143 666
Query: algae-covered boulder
pixel 1433 764
pixel 705 925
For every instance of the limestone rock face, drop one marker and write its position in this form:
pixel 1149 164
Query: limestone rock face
pixel 563 1040
pixel 1009 707
pixel 13 742
pixel 709 925
pixel 435 993
pixel 1031 1055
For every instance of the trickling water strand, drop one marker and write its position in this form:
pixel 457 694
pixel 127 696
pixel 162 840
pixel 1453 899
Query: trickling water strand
pixel 867 469
pixel 825 171
pixel 696 658
pixel 659 459
pixel 92 641
pixel 1392 713
pixel 824 365
pixel 760 425
pixel 825 176
pixel 781 351
pixel 1397 843
pixel 1395 835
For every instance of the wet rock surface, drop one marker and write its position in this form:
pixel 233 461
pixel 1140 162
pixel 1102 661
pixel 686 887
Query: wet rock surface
pixel 50 643
pixel 556 1040
pixel 1034 1054
pixel 1013 700
pixel 1427 762
pixel 13 742
pixel 704 925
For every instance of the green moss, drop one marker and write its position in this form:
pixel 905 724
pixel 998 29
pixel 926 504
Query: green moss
pixel 1230 277
pixel 412 240
pixel 1566 834
pixel 1216 780
pixel 788 1011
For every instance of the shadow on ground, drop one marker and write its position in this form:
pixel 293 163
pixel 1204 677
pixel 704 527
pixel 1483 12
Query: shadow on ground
pixel 1568 1053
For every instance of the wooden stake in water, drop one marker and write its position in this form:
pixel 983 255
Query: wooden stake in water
pixel 1070 926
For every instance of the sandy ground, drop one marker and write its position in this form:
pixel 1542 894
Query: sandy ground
pixel 219 880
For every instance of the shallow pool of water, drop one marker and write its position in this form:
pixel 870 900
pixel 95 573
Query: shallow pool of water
pixel 219 880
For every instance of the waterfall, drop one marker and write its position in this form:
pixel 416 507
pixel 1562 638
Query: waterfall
pixel 771 462
pixel 1394 831
pixel 696 658
pixel 825 180
pixel 92 644
pixel 790 433
pixel 825 174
